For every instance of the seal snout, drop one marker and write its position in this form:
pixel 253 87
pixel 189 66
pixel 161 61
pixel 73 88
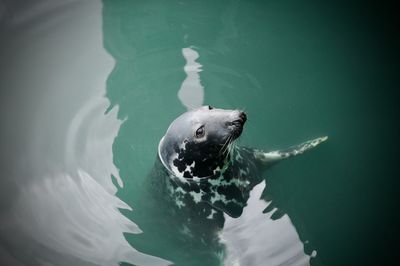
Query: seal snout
pixel 238 123
pixel 242 118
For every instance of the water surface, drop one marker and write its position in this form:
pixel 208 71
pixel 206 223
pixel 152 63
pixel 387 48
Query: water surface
pixel 89 88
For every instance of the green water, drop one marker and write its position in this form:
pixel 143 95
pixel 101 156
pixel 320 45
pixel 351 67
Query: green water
pixel 300 70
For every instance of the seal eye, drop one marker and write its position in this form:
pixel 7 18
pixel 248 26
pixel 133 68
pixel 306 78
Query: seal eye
pixel 210 107
pixel 200 132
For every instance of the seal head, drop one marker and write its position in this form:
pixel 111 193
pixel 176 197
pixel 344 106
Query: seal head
pixel 196 144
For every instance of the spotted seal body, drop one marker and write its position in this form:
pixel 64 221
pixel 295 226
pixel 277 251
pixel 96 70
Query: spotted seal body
pixel 207 173
pixel 201 176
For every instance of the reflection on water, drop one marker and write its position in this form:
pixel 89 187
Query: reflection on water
pixel 89 140
pixel 58 139
pixel 191 93
pixel 256 239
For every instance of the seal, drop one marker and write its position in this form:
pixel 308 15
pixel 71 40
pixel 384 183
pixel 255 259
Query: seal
pixel 200 178
pixel 206 167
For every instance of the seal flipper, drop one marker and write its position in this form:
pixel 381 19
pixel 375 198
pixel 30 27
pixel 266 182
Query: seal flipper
pixel 271 157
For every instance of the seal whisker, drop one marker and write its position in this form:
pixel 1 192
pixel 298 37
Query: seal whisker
pixel 232 146
pixel 225 145
pixel 227 148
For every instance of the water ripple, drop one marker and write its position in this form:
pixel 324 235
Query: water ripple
pixel 256 239
pixel 60 203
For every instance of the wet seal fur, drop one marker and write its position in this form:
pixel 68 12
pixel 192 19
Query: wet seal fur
pixel 201 174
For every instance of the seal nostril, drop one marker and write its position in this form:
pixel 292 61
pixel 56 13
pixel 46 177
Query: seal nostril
pixel 239 122
pixel 243 116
